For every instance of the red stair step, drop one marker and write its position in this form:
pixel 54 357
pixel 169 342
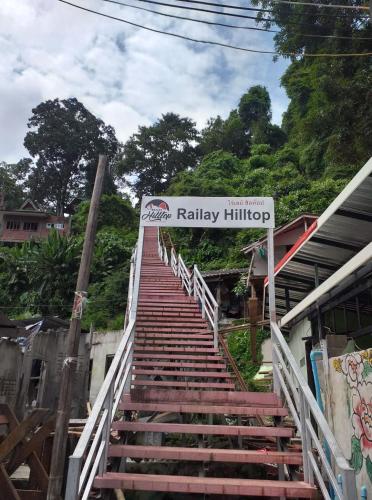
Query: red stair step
pixel 181 365
pixel 175 373
pixel 206 485
pixel 221 430
pixel 188 385
pixel 248 411
pixel 206 454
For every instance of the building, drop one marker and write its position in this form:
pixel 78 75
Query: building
pixel 29 222
pixel 323 291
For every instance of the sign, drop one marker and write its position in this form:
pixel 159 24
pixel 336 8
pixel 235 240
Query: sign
pixel 195 211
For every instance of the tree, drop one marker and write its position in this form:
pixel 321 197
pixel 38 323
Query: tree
pixel 228 135
pixel 10 189
pixel 65 140
pixel 155 154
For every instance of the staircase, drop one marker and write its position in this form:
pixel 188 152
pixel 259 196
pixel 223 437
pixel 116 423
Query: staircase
pixel 171 383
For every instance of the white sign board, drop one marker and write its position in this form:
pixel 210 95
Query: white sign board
pixel 195 211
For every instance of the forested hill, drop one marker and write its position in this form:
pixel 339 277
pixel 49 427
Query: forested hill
pixel 325 138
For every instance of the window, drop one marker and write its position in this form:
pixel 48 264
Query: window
pixel 36 385
pixel 30 226
pixel 109 359
pixel 13 225
pixel 57 225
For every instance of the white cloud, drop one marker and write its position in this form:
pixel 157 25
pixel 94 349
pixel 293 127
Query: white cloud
pixel 124 75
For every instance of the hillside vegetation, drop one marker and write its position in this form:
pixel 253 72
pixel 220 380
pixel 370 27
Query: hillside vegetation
pixel 325 138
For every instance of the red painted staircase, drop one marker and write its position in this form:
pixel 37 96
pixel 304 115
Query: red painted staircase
pixel 176 370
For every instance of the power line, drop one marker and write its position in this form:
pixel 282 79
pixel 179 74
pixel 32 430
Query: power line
pixel 229 14
pixel 212 23
pixel 183 18
pixel 218 44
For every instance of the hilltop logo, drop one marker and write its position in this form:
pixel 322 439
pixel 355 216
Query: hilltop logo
pixel 157 211
pixel 157 204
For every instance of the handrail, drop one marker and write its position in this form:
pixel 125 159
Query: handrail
pixel 303 406
pixel 99 422
pixel 208 303
pixel 185 275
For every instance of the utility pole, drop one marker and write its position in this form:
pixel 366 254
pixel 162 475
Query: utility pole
pixel 70 362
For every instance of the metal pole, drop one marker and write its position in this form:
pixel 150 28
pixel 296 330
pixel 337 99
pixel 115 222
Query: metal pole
pixel 272 307
pixel 70 361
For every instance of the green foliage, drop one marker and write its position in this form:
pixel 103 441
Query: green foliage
pixel 12 192
pixel 356 460
pixel 155 154
pixel 114 211
pixel 65 140
pixel 239 347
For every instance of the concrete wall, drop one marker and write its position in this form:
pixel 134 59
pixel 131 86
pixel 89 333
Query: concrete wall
pixel 103 344
pixel 10 371
pixel 350 383
pixel 297 345
pixel 50 348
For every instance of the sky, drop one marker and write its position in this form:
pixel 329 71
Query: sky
pixel 124 75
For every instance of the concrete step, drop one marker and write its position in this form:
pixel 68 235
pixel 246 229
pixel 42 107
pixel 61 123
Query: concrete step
pixel 201 429
pixel 206 485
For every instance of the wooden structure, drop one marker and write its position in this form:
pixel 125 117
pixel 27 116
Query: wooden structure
pixel 26 442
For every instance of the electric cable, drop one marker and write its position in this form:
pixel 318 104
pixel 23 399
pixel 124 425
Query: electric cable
pixel 212 23
pixel 229 14
pixel 218 44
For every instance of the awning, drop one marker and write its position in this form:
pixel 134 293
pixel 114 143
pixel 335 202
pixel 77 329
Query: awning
pixel 340 233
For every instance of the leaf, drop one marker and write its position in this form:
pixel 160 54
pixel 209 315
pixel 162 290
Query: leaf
pixel 367 370
pixel 356 455
pixel 369 468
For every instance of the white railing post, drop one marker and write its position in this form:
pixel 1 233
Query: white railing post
pixel 203 302
pixel 137 275
pixel 195 284
pixel 272 306
pixel 306 442
pixel 215 327
pixel 107 405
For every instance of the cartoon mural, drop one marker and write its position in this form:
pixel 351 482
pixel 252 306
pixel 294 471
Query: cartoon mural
pixel 351 375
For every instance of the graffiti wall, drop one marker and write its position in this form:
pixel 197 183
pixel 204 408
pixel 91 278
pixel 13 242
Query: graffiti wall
pixel 350 384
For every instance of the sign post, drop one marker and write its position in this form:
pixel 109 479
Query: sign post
pixel 216 212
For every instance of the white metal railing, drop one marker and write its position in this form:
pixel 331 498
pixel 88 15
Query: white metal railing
pixel 185 275
pixel 90 454
pixel 209 306
pixel 194 283
pixel 322 457
pixel 173 261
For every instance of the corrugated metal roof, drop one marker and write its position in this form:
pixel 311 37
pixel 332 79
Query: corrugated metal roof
pixel 224 272
pixel 340 233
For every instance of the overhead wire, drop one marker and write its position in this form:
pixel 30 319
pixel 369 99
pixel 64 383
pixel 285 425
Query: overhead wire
pixel 234 26
pixel 218 44
pixel 220 13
